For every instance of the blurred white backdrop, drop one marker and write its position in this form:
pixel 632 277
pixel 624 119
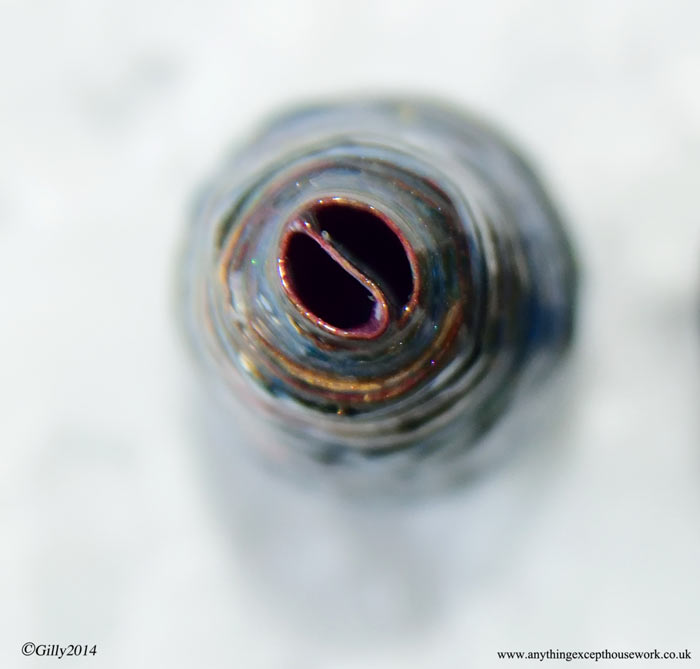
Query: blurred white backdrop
pixel 111 115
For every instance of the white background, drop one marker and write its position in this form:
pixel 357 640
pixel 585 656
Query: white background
pixel 111 115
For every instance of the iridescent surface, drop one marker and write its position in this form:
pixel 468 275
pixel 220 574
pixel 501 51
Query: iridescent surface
pixel 376 279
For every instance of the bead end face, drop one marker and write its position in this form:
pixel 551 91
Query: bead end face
pixel 372 280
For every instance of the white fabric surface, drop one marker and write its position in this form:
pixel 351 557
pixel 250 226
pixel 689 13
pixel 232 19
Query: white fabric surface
pixel 111 115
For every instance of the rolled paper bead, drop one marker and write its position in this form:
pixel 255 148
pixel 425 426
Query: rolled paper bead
pixel 375 282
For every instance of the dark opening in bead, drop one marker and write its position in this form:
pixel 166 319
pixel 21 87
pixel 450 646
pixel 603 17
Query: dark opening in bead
pixel 348 270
